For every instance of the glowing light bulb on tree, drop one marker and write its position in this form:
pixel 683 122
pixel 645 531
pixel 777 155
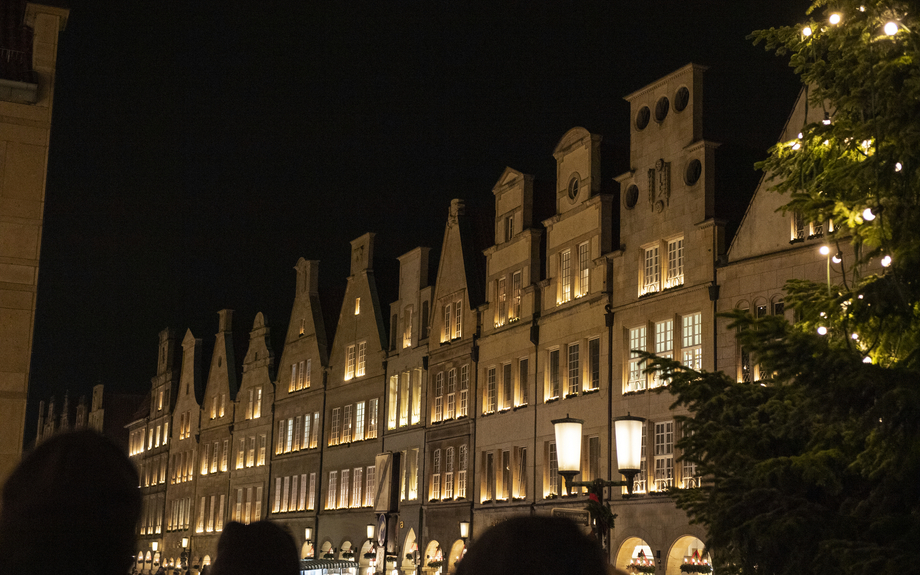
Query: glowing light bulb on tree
pixel 891 28
pixel 835 18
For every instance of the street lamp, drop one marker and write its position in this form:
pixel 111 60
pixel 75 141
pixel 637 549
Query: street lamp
pixel 628 431
pixel 184 557
pixel 464 531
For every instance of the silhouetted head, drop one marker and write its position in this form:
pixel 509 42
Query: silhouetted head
pixel 71 506
pixel 254 549
pixel 536 545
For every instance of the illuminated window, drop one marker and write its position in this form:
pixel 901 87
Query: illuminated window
pixel 404 399
pixel 407 328
pixel 357 483
pixel 263 441
pixel 451 393
pixel 664 455
pixel 565 275
pixel 519 488
pixel 225 455
pixel 436 474
pixel 369 487
pixel 344 488
pixel 636 380
pixel 675 263
pixel 461 472
pixel 359 421
pixel 347 425
pixel 257 408
pixel 664 346
pixel 650 271
pixel 507 387
pixel 574 371
pixel 502 296
pixel 692 339
pixel 330 494
pixel 464 390
pixel 413 474
pixel 393 402
pixel 594 365
pixel 584 273
pixel 449 473
pixel 311 497
pixel 349 362
pixel 372 418
pixel 448 317
pixel 214 462
pixel 334 436
pixel 552 478
pixel 552 390
pixel 489 400
pixel 416 383
pixel 458 321
pixel 362 351
pixel 639 483
pixel 438 414
pixel 357 306
pixel 509 227
pixel 522 381
pixel 515 296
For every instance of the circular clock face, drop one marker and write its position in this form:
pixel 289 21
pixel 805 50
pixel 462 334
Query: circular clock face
pixel 382 530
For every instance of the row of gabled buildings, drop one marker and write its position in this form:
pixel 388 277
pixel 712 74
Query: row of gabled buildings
pixel 460 377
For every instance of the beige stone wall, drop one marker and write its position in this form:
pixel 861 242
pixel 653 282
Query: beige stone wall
pixel 24 136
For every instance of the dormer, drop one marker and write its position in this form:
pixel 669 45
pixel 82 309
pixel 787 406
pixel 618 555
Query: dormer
pixel 578 168
pixel 513 205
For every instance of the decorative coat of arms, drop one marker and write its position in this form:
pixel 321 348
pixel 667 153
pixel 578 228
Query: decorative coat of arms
pixel 659 186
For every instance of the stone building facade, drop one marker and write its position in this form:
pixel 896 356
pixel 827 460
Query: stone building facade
pixel 27 81
pixel 534 321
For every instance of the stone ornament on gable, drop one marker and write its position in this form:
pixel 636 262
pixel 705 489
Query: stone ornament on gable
pixel 659 186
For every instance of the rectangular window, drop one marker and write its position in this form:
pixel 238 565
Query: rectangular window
pixel 393 407
pixel 636 380
pixel 424 326
pixel 293 385
pixel 458 320
pixel 413 474
pixel 593 460
pixel 565 275
pixel 594 364
pixel 664 455
pixel 509 227
pixel 553 375
pixel 407 328
pixel 438 414
pixel 502 297
pixel 519 489
pixel 344 489
pixel 286 489
pixel 436 474
pixel 488 488
pixel 516 295
pixel 416 384
pixel 449 473
pixel 359 421
pixel 404 399
pixel 251 454
pixel 448 317
pixel 552 481
pixel 357 306
pixel 295 484
pixel 461 472
pixel 263 443
pixel 372 418
pixel 451 393
pixel 664 346
pixel 289 437
pixel 219 523
pixel 523 381
pixel 489 400
pixel 276 507
pixel 204 459
pixel 464 390
pixel 651 273
pixel 403 468
pixel 225 455
pixel 507 387
pixel 282 433
pixel 257 408
pixel 214 462
pixel 311 498
pixel 584 278
pixel 330 494
pixel 505 492
pixel 370 489
pixel 675 263
pixel 297 424
pixel 305 373
pixel 305 438
pixel 692 340
pixel 639 483
pixel 356 488
pixel 347 424
pixel 574 379
pixel 362 352
pixel 220 411
pixel 349 362
pixel 334 436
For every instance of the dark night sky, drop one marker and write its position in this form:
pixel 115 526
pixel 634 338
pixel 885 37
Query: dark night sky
pixel 199 148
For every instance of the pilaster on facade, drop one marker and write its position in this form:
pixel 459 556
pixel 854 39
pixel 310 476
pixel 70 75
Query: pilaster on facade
pixel 181 513
pixel 355 392
pixel 296 455
pixel 215 441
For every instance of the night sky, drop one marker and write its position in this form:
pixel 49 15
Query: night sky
pixel 199 149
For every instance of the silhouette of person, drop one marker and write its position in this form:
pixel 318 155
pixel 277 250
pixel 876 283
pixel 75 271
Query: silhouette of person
pixel 536 545
pixel 255 549
pixel 71 506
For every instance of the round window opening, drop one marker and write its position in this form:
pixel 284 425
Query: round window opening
pixel 681 98
pixel 694 171
pixel 632 196
pixel 642 118
pixel 661 109
pixel 573 188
